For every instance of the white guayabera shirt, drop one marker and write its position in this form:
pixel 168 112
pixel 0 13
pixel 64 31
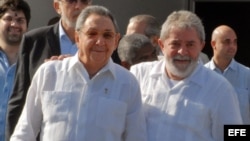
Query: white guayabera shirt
pixel 194 109
pixel 63 104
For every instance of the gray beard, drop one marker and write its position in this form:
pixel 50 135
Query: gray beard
pixel 178 72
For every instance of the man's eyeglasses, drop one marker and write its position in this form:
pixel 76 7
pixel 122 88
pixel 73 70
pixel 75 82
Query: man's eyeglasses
pixel 75 1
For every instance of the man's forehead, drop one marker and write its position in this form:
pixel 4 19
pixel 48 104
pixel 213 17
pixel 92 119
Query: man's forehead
pixel 14 13
pixel 136 27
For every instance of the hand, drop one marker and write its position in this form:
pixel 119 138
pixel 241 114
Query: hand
pixel 60 57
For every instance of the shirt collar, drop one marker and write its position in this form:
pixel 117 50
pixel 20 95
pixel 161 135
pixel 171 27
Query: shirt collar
pixel 4 57
pixel 159 69
pixel 109 67
pixel 62 33
pixel 197 75
pixel 212 65
pixel 232 65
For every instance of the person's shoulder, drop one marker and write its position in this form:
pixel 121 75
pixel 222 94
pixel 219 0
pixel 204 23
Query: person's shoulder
pixel 204 58
pixel 242 66
pixel 145 65
pixel 41 31
pixel 122 74
pixel 208 64
pixel 51 70
pixel 243 70
pixel 120 70
pixel 51 64
pixel 144 69
pixel 56 65
pixel 211 76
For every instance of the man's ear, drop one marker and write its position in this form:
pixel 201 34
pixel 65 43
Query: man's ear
pixel 160 43
pixel 154 40
pixel 77 37
pixel 57 7
pixel 212 43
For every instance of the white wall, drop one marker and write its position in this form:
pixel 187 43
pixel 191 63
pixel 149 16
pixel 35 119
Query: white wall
pixel 42 10
pixel 124 9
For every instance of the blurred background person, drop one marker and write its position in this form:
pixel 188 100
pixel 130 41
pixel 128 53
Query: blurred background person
pixel 147 25
pixel 14 21
pixel 224 44
pixel 203 58
pixel 135 48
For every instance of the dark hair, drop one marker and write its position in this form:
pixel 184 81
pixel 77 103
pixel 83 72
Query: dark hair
pixel 15 5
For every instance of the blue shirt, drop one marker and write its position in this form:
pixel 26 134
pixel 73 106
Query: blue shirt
pixel 67 47
pixel 239 76
pixel 7 73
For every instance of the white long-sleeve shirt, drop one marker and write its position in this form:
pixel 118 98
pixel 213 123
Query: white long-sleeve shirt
pixel 194 109
pixel 239 76
pixel 63 104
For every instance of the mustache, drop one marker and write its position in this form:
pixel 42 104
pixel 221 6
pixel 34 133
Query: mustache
pixel 99 48
pixel 182 58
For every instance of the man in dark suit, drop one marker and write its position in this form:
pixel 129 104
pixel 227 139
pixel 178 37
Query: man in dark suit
pixel 38 45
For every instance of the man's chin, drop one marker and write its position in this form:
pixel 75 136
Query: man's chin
pixel 183 71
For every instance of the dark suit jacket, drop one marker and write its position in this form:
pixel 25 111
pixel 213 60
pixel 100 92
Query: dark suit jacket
pixel 36 46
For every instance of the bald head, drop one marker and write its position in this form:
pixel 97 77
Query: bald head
pixel 143 24
pixel 146 25
pixel 223 31
pixel 224 44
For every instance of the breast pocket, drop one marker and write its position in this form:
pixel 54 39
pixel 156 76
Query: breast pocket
pixel 200 115
pixel 111 115
pixel 56 105
pixel 57 115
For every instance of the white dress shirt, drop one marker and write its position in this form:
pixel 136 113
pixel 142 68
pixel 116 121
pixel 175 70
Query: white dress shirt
pixel 63 104
pixel 239 76
pixel 194 109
